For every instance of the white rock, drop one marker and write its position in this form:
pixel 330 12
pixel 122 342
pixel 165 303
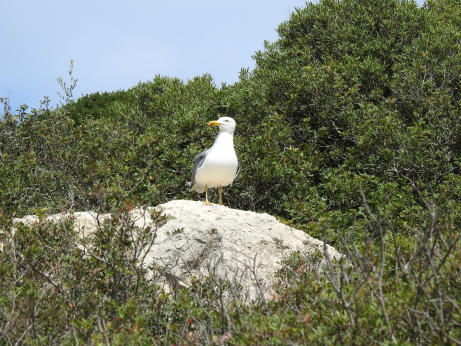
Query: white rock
pixel 198 240
pixel 240 246
pixel 84 222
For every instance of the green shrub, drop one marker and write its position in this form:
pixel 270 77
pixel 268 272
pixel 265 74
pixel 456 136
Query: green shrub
pixel 59 288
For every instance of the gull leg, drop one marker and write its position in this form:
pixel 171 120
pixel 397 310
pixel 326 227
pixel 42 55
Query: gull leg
pixel 206 194
pixel 220 195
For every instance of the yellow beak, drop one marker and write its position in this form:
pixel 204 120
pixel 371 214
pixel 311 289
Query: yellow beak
pixel 214 123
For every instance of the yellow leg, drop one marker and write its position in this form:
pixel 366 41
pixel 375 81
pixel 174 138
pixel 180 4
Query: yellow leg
pixel 206 196
pixel 220 195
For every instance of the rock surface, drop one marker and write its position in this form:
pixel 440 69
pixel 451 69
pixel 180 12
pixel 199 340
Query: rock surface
pixel 85 222
pixel 242 247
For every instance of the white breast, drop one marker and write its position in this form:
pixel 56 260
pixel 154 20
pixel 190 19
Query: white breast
pixel 220 165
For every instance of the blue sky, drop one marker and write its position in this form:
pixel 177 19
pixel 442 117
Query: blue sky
pixel 115 44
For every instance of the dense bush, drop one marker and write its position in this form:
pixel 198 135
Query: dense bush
pixel 58 288
pixel 356 101
pixel 51 161
pixel 357 93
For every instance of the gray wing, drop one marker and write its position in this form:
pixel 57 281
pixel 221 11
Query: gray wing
pixel 199 158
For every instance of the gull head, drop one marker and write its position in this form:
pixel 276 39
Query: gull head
pixel 225 124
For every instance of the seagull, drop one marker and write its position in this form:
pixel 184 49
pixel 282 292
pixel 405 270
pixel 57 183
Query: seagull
pixel 217 166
